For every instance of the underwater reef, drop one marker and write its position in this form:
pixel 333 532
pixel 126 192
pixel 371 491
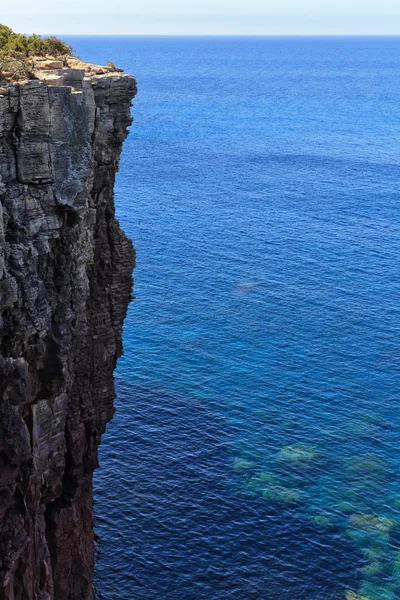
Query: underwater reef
pixel 341 490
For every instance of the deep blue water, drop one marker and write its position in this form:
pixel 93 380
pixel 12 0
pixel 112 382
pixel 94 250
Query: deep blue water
pixel 255 452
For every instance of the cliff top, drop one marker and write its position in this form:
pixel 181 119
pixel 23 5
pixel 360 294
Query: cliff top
pixel 25 57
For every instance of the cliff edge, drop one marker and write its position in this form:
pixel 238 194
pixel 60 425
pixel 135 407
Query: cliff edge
pixel 65 284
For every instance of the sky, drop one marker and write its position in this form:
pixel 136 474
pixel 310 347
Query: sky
pixel 203 17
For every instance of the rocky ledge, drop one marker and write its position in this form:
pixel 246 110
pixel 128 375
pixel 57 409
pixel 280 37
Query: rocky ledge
pixel 65 284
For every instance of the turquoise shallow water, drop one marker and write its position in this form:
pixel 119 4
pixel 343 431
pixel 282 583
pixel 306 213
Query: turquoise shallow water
pixel 255 452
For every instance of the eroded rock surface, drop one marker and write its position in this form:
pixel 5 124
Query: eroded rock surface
pixel 65 284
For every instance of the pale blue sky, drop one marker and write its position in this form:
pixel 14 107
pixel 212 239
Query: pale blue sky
pixel 193 17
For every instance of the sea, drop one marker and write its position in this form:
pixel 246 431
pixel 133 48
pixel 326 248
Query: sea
pixel 255 449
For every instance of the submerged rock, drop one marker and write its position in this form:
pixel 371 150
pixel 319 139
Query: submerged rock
pixel 368 464
pixel 363 425
pixel 299 455
pixel 282 494
pixel 353 596
pixel 324 521
pixel 264 479
pixel 241 464
pixel 373 568
pixel 395 502
pixel 376 591
pixel 345 506
pixel 374 554
pixel 372 523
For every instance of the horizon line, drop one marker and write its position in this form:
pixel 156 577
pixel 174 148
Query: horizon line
pixel 247 35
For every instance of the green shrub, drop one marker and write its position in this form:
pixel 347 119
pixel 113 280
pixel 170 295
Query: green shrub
pixel 17 43
pixel 31 45
pixel 35 45
pixel 14 66
pixel 56 47
pixel 5 34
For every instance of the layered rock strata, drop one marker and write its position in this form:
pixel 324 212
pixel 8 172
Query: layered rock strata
pixel 65 284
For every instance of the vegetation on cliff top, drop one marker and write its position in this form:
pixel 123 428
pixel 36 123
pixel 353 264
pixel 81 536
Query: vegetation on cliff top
pixel 17 50
pixel 31 45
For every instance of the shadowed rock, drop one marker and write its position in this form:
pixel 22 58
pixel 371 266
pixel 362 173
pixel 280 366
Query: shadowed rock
pixel 65 284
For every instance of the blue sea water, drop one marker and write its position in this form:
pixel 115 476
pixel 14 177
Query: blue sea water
pixel 255 451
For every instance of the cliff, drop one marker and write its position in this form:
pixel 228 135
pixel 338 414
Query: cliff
pixel 65 284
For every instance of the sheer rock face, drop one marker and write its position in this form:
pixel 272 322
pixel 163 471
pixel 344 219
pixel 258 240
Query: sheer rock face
pixel 65 284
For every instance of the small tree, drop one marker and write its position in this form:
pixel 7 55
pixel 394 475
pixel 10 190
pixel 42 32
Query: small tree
pixel 35 45
pixel 5 34
pixel 14 66
pixel 17 43
pixel 56 47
